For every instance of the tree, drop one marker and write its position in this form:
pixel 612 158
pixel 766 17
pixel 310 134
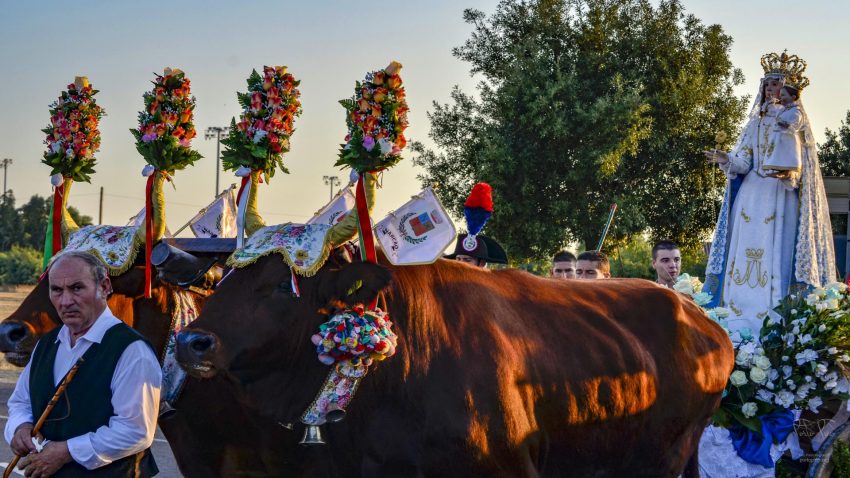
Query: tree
pixel 11 228
pixel 33 217
pixel 582 104
pixel 834 153
pixel 20 265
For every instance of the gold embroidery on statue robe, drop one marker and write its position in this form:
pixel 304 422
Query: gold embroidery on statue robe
pixel 736 310
pixel 753 276
pixel 744 215
pixel 762 315
pixel 770 218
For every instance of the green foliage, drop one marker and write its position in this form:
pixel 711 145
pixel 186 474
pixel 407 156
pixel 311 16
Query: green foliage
pixel 20 265
pixel 840 460
pixel 582 104
pixel 11 228
pixel 25 226
pixel 834 153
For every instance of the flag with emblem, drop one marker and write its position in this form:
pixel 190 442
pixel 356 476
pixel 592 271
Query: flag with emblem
pixel 219 218
pixel 334 211
pixel 418 232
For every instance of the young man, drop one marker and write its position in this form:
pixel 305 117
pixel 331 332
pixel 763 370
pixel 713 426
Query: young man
pixel 104 424
pixel 593 265
pixel 667 261
pixel 478 253
pixel 564 265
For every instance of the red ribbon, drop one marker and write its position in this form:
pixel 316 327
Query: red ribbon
pixel 245 180
pixel 58 192
pixel 367 239
pixel 148 234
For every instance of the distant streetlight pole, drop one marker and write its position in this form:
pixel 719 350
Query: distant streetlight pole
pixel 5 164
pixel 216 132
pixel 332 181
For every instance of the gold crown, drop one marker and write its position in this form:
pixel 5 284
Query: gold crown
pixel 789 66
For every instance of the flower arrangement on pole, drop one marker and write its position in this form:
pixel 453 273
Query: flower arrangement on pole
pixel 164 138
pixel 72 140
pixel 256 144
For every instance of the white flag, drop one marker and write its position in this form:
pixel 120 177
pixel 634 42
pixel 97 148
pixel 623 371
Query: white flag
pixel 219 218
pixel 139 221
pixel 416 233
pixel 334 211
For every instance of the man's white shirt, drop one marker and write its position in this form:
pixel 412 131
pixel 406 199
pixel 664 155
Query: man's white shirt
pixel 135 398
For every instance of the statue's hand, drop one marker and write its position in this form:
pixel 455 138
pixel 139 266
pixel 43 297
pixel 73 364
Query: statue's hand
pixel 716 156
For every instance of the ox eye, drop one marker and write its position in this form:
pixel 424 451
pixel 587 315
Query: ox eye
pixel 285 287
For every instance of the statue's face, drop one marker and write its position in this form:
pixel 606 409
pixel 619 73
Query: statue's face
pixel 772 87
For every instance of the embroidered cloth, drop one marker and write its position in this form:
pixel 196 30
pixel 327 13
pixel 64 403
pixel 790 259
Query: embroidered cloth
pixel 173 374
pixel 336 393
pixel 304 247
pixel 115 246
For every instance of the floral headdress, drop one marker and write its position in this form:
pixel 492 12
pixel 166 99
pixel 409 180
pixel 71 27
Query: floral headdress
pixel 73 136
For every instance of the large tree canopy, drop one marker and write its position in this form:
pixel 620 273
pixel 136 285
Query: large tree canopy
pixel 582 104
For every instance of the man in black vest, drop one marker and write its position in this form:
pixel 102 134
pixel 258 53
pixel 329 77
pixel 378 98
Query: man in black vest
pixel 104 424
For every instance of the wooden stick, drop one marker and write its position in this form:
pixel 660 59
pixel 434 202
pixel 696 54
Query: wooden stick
pixel 607 225
pixel 52 403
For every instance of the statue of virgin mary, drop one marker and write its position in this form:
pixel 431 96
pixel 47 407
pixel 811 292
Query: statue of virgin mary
pixel 773 232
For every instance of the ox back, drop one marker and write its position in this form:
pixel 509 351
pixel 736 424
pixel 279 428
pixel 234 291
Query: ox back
pixel 497 373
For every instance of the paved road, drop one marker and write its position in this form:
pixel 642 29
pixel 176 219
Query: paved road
pixel 161 450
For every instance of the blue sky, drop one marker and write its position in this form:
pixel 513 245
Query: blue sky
pixel 328 45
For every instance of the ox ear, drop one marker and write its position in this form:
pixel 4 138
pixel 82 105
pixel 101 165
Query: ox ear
pixel 356 283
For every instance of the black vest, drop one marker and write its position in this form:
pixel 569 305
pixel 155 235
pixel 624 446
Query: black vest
pixel 87 402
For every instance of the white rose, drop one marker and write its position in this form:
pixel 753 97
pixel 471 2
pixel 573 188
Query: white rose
pixel 743 358
pixel 785 399
pixel 832 350
pixel 822 328
pixel 815 403
pixel 738 378
pixel 749 409
pixel 722 312
pixel 385 145
pixel 805 339
pixel 758 376
pixel 786 371
pixel 762 362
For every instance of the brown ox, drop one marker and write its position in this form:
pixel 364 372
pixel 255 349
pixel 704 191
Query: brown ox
pixel 212 434
pixel 497 373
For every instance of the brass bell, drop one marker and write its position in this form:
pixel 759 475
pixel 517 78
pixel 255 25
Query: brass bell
pixel 312 436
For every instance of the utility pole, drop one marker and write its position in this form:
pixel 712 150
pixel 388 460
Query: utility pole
pixel 216 132
pixel 332 181
pixel 100 208
pixel 5 164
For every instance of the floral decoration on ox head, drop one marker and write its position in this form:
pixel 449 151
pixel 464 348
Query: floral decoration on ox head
pixel 73 136
pixel 269 108
pixel 166 128
pixel 376 118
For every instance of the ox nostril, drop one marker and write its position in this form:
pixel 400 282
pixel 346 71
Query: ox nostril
pixel 12 334
pixel 201 344
pixel 16 334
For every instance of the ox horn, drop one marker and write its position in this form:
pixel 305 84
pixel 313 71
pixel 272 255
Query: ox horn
pixel 157 208
pixel 253 220
pixel 179 267
pixel 312 436
pixel 346 229
pixel 67 223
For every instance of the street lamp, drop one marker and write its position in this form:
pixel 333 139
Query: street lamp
pixel 216 132
pixel 332 181
pixel 5 164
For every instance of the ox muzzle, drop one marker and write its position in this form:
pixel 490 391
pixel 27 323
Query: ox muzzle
pixel 196 352
pixel 17 341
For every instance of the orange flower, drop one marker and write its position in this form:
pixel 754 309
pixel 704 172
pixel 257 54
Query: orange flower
pixel 281 70
pixel 256 101
pixel 363 105
pixel 178 132
pixel 267 83
pixel 380 94
pixel 190 133
pixel 376 110
pixel 185 116
pixel 394 82
pixel 369 124
pixel 160 129
pixel 400 94
pixel 366 94
pixel 400 141
pixel 378 78
pixel 154 107
pixel 393 68
pixel 160 93
pixel 169 118
pixel 75 126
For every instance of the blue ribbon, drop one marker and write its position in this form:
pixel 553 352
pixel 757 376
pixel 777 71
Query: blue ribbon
pixel 755 447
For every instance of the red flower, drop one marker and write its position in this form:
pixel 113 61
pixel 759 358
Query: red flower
pixel 256 101
pixel 394 82
pixel 378 78
pixel 178 132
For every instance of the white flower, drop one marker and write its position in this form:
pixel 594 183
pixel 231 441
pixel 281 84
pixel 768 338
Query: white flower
pixel 722 312
pixel 832 351
pixel 815 403
pixel 808 378
pixel 821 370
pixel 796 330
pixel 762 362
pixel 702 298
pixel 844 358
pixel 772 374
pixel 385 145
pixel 749 409
pixel 69 153
pixel 738 378
pixel 259 135
pixel 805 339
pixel 843 386
pixel 830 385
pixel 786 371
pixel 822 328
pixel 791 385
pixel 785 399
pixel 784 358
pixel 769 385
pixel 807 355
pixel 743 358
pixel 803 391
pixel 837 286
pixel 758 376
pixel 793 311
pixel 764 395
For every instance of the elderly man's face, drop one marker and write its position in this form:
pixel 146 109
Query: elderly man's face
pixel 78 299
pixel 564 270
pixel 590 270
